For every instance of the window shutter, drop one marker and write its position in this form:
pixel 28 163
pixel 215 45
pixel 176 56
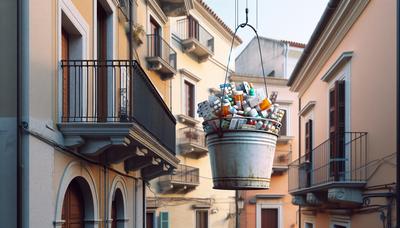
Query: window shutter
pixel 283 130
pixel 164 220
pixel 336 129
pixel 308 152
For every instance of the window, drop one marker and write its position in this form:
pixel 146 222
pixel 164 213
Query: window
pixel 150 219
pixel 189 108
pixel 308 225
pixel 269 218
pixel 308 151
pixel 283 130
pixel 202 219
pixel 336 130
pixel 164 220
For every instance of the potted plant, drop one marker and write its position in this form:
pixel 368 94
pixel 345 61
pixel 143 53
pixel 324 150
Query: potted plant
pixel 138 33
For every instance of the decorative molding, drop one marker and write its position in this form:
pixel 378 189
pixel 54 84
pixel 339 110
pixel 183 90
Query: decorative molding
pixel 345 195
pixel 188 120
pixel 158 11
pixel 278 81
pixel 201 206
pixel 189 75
pixel 307 108
pixel 340 62
pixel 312 199
pixel 269 196
pixel 345 16
pixel 299 200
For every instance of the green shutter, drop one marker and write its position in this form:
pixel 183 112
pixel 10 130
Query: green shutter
pixel 164 220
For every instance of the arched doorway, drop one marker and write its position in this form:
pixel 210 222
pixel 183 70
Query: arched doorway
pixel 117 210
pixel 73 210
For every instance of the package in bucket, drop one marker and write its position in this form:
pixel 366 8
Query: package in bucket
pixel 242 126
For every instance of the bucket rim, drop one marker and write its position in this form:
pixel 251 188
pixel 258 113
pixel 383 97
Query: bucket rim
pixel 241 130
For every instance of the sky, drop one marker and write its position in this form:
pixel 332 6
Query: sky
pixel 293 20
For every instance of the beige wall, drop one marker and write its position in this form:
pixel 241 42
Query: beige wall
pixel 372 94
pixel 211 73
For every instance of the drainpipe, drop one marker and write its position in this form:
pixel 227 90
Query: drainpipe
pixel 299 152
pixel 144 203
pixel 398 119
pixel 19 131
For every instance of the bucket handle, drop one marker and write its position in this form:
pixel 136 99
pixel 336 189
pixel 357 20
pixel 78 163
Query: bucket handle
pixel 242 25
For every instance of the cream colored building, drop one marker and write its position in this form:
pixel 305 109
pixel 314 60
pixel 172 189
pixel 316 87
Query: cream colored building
pixel 272 207
pixel 344 176
pixel 186 198
pixel 84 121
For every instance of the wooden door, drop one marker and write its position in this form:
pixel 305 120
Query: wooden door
pixel 73 211
pixel 150 220
pixel 65 74
pixel 155 42
pixel 102 69
pixel 269 218
pixel 114 214
pixel 193 28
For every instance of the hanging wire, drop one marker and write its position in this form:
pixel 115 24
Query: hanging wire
pixel 257 14
pixel 242 25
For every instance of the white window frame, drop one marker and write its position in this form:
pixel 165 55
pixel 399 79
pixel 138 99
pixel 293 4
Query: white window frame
pixel 260 206
pixel 68 8
pixel 310 220
pixel 208 217
pixel 341 221
pixel 343 73
pixel 287 109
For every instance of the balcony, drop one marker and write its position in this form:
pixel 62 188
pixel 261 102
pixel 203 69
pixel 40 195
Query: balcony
pixel 333 173
pixel 112 112
pixel 184 179
pixel 281 162
pixel 160 56
pixel 176 8
pixel 195 39
pixel 192 142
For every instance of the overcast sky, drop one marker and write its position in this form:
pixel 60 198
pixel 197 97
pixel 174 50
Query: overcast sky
pixel 293 20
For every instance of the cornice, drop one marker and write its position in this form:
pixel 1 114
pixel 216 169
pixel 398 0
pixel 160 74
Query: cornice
pixel 343 19
pixel 158 11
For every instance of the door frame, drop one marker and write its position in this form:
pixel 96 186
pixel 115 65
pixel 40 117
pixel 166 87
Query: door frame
pixel 67 8
pixel 260 206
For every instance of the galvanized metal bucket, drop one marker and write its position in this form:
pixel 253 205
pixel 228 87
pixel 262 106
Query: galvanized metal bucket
pixel 241 159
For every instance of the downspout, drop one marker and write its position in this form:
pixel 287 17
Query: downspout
pixel 19 130
pixel 144 202
pixel 130 31
pixel 398 119
pixel 299 151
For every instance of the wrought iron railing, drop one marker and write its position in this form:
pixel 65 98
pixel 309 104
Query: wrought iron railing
pixel 184 175
pixel 114 91
pixel 187 29
pixel 341 158
pixel 191 135
pixel 158 47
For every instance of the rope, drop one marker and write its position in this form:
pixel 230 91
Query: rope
pixel 242 25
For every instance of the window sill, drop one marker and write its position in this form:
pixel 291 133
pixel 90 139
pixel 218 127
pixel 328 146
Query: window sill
pixel 188 120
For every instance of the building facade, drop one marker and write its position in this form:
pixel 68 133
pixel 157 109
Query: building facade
pixel 85 118
pixel 186 198
pixel 272 207
pixel 345 173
